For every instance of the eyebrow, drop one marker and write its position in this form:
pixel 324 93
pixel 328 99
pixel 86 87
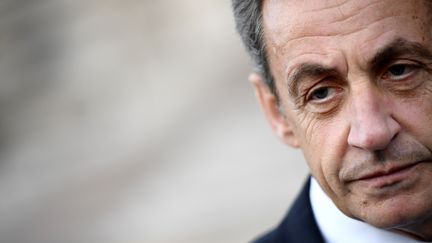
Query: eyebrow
pixel 398 47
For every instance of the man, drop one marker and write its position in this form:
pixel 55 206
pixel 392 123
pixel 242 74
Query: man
pixel 350 84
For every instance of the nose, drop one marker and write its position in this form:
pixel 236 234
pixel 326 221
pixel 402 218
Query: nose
pixel 372 125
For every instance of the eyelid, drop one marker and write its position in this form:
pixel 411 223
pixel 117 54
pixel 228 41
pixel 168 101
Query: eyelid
pixel 333 89
pixel 303 92
pixel 412 66
pixel 302 99
pixel 406 62
pixel 323 107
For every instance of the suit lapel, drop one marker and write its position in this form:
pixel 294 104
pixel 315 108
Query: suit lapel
pixel 299 225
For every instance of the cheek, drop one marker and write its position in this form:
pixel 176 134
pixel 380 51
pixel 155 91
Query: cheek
pixel 324 144
pixel 415 115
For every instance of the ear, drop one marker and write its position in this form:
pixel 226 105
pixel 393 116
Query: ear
pixel 269 104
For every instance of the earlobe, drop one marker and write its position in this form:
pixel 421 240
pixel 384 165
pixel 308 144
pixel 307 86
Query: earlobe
pixel 269 104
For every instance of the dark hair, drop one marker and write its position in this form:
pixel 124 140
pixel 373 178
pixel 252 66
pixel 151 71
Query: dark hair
pixel 248 19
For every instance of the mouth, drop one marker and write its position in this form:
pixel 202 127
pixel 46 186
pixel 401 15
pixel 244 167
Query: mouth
pixel 388 177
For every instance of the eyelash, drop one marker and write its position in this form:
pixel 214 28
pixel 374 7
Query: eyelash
pixel 333 91
pixel 412 68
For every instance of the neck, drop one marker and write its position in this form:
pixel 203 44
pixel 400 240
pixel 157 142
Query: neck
pixel 418 231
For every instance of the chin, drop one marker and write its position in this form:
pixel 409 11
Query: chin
pixel 396 213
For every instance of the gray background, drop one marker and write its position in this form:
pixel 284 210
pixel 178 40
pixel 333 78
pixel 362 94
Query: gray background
pixel 133 121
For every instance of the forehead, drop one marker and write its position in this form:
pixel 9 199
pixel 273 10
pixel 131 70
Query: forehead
pixel 289 25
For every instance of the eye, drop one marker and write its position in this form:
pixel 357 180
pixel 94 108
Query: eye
pixel 323 98
pixel 321 94
pixel 399 71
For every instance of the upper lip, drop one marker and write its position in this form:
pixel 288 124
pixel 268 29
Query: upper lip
pixel 385 171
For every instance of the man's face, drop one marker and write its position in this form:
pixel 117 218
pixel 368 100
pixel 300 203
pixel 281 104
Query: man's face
pixel 355 87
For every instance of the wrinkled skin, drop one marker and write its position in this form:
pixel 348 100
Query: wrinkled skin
pixel 354 83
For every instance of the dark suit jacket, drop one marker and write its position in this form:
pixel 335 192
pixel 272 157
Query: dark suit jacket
pixel 299 224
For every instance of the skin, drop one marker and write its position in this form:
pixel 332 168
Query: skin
pixel 354 83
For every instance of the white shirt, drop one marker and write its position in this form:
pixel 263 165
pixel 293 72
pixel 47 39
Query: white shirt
pixel 336 227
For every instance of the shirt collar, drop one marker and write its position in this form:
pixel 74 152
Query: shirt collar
pixel 336 227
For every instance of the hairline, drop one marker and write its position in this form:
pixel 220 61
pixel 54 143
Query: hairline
pixel 259 55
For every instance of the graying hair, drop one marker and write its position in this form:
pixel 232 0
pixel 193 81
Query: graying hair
pixel 248 19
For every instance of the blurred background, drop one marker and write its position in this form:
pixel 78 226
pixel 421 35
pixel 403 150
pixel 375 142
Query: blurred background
pixel 133 121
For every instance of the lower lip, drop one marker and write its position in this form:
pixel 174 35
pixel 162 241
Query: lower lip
pixel 390 179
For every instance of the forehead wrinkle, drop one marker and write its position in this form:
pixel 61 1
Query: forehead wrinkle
pixel 305 25
pixel 338 5
pixel 286 41
pixel 314 25
pixel 344 16
pixel 327 35
pixel 365 27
